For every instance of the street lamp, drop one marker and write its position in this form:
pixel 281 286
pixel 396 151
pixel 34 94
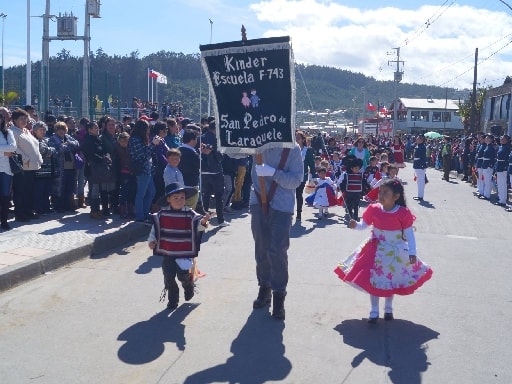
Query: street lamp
pixel 3 16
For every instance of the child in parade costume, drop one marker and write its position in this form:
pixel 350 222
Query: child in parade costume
pixel 324 195
pixel 336 164
pixel 380 177
pixel 369 173
pixel 385 264
pixel 175 235
pixel 398 152
pixel 352 186
pixel 329 171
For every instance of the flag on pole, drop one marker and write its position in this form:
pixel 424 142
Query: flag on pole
pixel 371 107
pixel 162 79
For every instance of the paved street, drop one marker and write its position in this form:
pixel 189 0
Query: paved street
pixel 99 320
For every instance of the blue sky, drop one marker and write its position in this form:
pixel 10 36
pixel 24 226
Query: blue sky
pixel 437 38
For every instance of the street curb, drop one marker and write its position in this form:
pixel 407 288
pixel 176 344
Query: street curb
pixel 15 275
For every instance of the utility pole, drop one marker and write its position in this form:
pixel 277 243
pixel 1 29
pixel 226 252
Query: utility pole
pixel 473 95
pixel 45 61
pixel 67 31
pixel 3 16
pixel 28 82
pixel 397 78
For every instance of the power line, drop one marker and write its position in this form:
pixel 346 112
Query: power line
pixel 418 32
pixel 452 64
pixel 480 62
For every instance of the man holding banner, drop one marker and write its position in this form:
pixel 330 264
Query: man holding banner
pixel 253 86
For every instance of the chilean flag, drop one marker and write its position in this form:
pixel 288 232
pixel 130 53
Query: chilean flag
pixel 371 107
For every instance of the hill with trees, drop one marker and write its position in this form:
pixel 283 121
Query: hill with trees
pixel 123 77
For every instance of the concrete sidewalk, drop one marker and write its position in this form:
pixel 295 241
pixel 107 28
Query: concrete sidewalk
pixel 52 241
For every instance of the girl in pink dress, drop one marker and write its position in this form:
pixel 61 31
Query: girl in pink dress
pixel 398 152
pixel 386 263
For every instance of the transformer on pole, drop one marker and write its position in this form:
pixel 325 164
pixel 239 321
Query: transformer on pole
pixel 67 30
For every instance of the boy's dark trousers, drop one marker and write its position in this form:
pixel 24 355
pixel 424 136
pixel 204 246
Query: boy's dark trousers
pixel 352 204
pixel 171 271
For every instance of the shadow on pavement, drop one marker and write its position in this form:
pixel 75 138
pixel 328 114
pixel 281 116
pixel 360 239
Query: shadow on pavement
pixel 152 262
pixel 427 204
pixel 398 344
pixel 298 230
pixel 145 341
pixel 258 355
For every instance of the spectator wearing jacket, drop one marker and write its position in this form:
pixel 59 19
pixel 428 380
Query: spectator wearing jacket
pixel 48 171
pixel 64 185
pixel 212 174
pixel 7 149
pixel 141 153
pixel 28 148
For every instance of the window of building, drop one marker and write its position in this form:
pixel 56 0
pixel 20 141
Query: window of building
pixel 415 115
pixel 424 115
pixel 436 117
pixel 447 117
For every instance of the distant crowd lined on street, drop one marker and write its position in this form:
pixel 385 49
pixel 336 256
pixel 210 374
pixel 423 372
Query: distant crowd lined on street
pixel 122 167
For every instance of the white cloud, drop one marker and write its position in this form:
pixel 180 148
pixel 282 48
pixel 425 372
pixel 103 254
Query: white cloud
pixel 327 33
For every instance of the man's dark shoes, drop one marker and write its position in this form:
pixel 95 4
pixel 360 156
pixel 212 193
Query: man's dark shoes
pixel 278 306
pixel 189 292
pixel 172 305
pixel 372 320
pixel 388 316
pixel 264 298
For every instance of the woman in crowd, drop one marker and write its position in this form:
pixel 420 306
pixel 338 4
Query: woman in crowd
pixel 28 148
pixel 80 173
pixel 127 181
pixel 159 132
pixel 141 151
pixel 7 149
pixel 109 191
pixel 45 175
pixel 94 153
pixel 360 151
pixel 64 186
pixel 308 157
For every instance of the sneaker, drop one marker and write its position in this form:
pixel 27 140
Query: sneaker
pixel 224 224
pixel 172 305
pixel 388 316
pixel 372 320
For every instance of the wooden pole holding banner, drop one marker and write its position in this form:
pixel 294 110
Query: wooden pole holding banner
pixel 259 157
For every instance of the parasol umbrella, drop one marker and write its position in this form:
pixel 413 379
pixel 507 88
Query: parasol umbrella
pixel 432 135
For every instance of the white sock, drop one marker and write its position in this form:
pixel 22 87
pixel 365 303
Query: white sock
pixel 374 301
pixel 388 305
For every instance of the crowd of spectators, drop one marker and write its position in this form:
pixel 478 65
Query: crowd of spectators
pixel 122 167
pixel 114 167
